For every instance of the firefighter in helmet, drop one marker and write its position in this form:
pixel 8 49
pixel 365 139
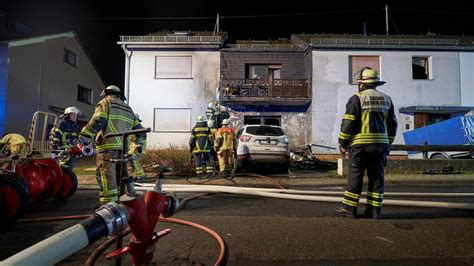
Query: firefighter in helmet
pixel 200 144
pixel 225 146
pixel 65 134
pixel 368 128
pixel 111 115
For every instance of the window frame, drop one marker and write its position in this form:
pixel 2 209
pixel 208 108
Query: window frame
pixel 352 80
pixel 66 57
pixel 429 66
pixel 172 130
pixel 91 97
pixel 156 76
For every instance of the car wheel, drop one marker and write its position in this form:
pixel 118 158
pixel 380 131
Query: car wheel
pixel 439 156
pixel 238 166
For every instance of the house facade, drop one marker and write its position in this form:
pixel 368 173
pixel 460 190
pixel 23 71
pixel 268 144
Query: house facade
pixel 46 73
pixel 169 80
pixel 301 84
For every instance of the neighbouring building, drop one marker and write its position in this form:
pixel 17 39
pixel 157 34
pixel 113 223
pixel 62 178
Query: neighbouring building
pixel 301 84
pixel 45 73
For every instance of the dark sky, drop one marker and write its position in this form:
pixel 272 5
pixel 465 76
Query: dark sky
pixel 100 35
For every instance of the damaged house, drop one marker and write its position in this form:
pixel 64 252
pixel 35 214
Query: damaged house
pixel 301 84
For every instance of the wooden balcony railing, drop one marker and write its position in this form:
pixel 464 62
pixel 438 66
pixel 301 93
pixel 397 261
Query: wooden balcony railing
pixel 277 88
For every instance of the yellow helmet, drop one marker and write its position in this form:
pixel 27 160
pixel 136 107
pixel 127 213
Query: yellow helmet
pixel 111 88
pixel 370 76
pixel 201 118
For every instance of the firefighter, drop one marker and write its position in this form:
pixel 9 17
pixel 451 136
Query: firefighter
pixel 137 146
pixel 210 112
pixel 368 129
pixel 111 114
pixel 200 144
pixel 215 160
pixel 13 144
pixel 65 134
pixel 225 146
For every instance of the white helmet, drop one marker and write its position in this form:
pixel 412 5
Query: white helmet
pixel 226 121
pixel 137 117
pixel 70 110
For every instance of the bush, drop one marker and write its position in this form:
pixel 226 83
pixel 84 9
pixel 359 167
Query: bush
pixel 172 156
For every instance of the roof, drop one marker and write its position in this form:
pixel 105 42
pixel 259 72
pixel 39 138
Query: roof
pixel 435 109
pixel 401 42
pixel 44 38
pixel 176 39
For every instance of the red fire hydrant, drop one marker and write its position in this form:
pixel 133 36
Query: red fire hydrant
pixel 144 212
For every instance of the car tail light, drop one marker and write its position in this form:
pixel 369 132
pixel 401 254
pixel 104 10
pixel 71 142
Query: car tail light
pixel 245 138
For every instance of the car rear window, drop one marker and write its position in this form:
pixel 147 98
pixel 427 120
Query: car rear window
pixel 265 131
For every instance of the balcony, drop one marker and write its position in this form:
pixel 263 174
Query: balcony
pixel 263 92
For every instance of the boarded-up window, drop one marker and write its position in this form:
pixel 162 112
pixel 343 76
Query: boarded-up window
pixel 357 63
pixel 172 120
pixel 420 67
pixel 173 67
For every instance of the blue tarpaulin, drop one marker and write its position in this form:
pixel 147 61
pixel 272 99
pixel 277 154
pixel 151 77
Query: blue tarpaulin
pixel 455 131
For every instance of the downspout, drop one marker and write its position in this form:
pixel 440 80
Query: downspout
pixel 128 55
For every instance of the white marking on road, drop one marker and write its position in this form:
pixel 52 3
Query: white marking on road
pixel 384 239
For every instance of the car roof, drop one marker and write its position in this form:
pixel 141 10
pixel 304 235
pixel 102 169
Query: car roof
pixel 260 126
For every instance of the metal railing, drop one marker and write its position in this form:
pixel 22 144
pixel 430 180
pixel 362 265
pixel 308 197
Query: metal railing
pixel 434 148
pixel 172 39
pixel 266 46
pixel 277 88
pixel 384 41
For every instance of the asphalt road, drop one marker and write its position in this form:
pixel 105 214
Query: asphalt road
pixel 267 231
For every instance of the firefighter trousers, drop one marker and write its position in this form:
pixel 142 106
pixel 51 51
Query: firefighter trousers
pixel 225 160
pixel 106 173
pixel 373 158
pixel 203 163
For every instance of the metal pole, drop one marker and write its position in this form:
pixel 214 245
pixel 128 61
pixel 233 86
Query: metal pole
pixel 386 18
pixel 127 74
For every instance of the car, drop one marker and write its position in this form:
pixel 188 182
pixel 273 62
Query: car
pixel 261 144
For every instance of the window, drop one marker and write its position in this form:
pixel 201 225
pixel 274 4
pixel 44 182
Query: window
pixel 263 71
pixel 262 120
pixel 357 63
pixel 70 58
pixel 420 67
pixel 265 131
pixel 84 95
pixel 426 119
pixel 173 67
pixel 172 120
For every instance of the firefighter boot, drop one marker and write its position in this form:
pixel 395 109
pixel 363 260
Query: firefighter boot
pixel 349 211
pixel 373 212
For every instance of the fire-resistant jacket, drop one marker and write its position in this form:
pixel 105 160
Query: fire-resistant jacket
pixel 64 134
pixel 225 139
pixel 201 138
pixel 111 115
pixel 369 119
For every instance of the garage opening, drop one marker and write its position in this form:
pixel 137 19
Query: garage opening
pixel 262 120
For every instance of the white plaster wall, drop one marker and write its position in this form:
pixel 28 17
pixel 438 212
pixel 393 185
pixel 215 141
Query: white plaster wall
pixel 466 61
pixel 331 88
pixel 147 93
pixel 39 78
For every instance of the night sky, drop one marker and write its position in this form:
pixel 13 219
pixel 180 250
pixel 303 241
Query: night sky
pixel 100 23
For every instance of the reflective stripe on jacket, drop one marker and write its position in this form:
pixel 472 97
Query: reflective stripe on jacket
pixel 369 119
pixel 111 115
pixel 64 134
pixel 201 138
